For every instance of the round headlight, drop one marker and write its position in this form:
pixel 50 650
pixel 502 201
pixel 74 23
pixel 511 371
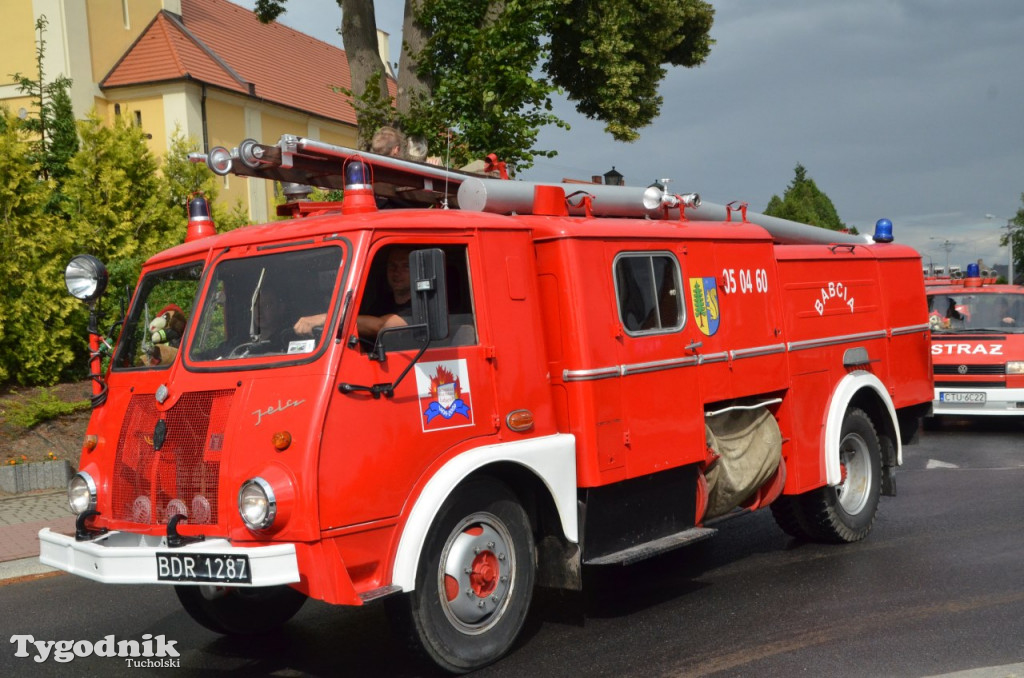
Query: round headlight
pixel 257 504
pixel 85 277
pixel 81 493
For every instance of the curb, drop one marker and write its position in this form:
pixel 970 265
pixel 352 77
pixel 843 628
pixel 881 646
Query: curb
pixel 43 475
pixel 25 567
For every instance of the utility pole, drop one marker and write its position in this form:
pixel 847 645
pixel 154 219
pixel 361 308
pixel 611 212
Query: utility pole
pixel 948 246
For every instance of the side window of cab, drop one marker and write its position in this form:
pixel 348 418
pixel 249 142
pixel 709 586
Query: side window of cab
pixel 648 292
pixel 387 299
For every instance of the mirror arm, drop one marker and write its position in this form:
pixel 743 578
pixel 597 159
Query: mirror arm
pixel 388 390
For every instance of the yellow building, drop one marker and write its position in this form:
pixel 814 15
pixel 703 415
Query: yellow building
pixel 207 68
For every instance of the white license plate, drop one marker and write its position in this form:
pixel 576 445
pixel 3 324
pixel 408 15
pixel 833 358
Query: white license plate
pixel 970 397
pixel 203 567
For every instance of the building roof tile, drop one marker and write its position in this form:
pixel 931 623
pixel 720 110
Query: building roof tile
pixel 222 44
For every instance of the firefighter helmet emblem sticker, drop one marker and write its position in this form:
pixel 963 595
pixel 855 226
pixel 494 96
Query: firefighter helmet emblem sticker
pixel 704 296
pixel 444 394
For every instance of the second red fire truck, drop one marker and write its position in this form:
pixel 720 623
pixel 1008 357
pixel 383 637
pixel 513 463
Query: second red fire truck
pixel 584 376
pixel 977 345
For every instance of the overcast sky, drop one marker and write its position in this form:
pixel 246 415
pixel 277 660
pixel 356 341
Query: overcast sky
pixel 907 109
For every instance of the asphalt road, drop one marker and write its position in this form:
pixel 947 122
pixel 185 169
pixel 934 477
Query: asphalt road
pixel 937 588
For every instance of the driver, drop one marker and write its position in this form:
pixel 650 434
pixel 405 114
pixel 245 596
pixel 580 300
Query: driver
pixel 275 319
pixel 395 310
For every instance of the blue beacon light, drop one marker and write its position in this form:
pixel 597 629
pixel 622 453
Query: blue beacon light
pixel 356 174
pixel 883 231
pixel 359 195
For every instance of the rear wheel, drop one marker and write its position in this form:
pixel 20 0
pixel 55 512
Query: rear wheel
pixel 475 579
pixel 845 512
pixel 240 611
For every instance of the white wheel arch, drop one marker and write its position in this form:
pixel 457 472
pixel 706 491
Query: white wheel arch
pixel 551 458
pixel 844 392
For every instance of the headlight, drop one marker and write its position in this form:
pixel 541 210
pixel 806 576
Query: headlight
pixel 257 504
pixel 81 493
pixel 1015 367
pixel 85 277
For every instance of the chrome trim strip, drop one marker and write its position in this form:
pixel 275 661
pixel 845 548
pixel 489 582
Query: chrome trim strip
pixel 658 365
pixel 832 341
pixel 725 356
pixel 910 329
pixel 590 375
pixel 757 351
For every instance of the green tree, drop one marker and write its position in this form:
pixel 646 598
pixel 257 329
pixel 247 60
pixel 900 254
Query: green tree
pixel 36 333
pixel 488 69
pixel 805 203
pixel 53 123
pixel 1017 230
pixel 115 205
pixel 183 178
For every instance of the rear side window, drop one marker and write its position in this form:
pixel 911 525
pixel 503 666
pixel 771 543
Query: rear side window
pixel 648 290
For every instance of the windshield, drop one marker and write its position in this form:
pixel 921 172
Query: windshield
pixel 269 305
pixel 153 332
pixel 976 312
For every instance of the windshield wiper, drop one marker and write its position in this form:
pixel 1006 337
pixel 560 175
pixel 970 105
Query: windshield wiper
pixel 254 323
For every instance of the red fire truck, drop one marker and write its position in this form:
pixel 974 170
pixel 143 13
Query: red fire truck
pixel 583 379
pixel 977 345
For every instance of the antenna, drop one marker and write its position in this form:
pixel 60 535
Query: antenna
pixel 447 164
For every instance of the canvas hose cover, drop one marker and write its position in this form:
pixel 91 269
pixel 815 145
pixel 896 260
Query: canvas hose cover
pixel 749 445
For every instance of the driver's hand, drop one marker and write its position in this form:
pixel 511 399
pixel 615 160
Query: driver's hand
pixel 393 320
pixel 305 325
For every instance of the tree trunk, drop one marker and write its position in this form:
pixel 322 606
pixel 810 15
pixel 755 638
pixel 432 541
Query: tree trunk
pixel 410 84
pixel 359 33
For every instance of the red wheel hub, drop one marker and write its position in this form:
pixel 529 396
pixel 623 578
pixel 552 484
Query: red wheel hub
pixel 484 577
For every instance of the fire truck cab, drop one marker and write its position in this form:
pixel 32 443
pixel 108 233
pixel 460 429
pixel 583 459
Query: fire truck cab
pixel 576 380
pixel 977 345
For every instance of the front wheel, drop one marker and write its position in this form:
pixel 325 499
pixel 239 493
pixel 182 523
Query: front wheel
pixel 240 611
pixel 475 579
pixel 845 512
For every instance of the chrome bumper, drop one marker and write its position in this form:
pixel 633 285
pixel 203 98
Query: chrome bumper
pixel 998 402
pixel 126 558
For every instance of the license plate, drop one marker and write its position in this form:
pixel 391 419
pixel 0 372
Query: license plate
pixel 203 567
pixel 970 397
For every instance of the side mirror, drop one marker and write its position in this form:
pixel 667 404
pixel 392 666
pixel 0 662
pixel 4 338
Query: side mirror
pixel 429 291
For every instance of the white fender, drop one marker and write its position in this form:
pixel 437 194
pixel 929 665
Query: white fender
pixel 848 386
pixel 551 458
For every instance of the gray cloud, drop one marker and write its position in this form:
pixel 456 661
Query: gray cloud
pixel 906 109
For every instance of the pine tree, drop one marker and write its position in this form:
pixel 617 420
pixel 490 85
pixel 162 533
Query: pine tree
pixel 53 124
pixel 36 335
pixel 803 202
pixel 115 204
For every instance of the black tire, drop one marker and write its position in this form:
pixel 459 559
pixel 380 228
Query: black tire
pixel 240 611
pixel 846 512
pixel 788 514
pixel 474 582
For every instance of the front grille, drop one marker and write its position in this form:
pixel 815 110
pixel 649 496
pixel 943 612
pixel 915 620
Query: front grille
pixel 971 369
pixel 182 477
